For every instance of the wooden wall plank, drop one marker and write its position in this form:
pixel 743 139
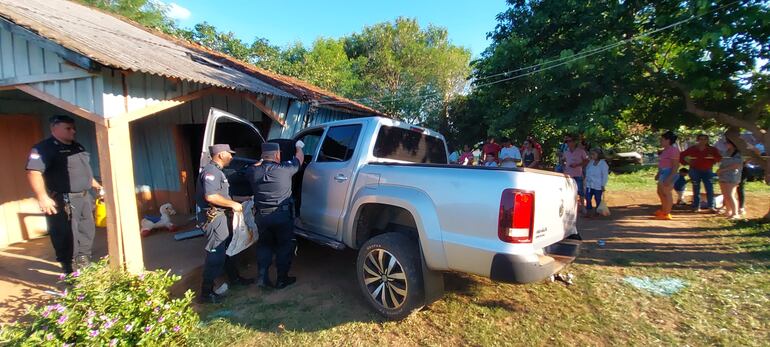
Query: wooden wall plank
pixel 20 62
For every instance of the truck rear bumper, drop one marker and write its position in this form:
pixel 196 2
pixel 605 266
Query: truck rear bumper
pixel 512 268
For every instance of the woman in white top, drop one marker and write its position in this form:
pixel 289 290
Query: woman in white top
pixel 597 175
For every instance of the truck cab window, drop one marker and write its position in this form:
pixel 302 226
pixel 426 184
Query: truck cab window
pixel 339 143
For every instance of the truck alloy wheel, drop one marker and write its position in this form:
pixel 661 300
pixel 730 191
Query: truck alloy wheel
pixel 385 279
pixel 390 275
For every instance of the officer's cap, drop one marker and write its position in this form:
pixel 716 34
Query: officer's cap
pixel 219 148
pixel 270 147
pixel 61 119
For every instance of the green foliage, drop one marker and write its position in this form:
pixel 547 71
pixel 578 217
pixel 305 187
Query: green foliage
pixel 717 59
pixel 146 12
pixel 104 307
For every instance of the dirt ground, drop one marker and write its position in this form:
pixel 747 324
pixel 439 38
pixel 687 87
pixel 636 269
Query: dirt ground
pixel 327 277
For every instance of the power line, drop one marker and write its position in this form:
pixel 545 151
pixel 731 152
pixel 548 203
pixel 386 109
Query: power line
pixel 559 61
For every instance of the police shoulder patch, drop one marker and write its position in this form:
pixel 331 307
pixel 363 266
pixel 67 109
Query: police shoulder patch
pixel 209 177
pixel 34 155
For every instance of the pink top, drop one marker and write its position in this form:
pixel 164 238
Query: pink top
pixel 668 158
pixel 578 156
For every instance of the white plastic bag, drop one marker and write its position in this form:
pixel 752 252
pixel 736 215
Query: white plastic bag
pixel 603 209
pixel 244 229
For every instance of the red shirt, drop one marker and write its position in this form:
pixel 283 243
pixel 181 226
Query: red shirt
pixel 491 148
pixel 701 160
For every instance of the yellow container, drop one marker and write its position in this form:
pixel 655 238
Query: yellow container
pixel 100 213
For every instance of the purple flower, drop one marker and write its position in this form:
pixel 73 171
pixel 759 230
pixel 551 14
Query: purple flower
pixel 46 314
pixel 62 277
pixel 75 274
pixel 81 297
pixel 110 323
pixel 161 319
pixel 44 328
pixel 149 290
pixel 176 329
pixel 148 328
pixel 148 303
pixel 91 314
pixel 156 310
pixel 65 292
pixel 68 345
pixel 129 327
pixel 62 319
pixel 93 333
pixel 49 336
pixel 114 342
pixel 141 277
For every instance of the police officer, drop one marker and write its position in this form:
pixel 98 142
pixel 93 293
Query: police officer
pixel 271 183
pixel 59 172
pixel 216 219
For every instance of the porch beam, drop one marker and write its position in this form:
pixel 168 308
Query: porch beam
pixel 123 238
pixel 50 77
pixel 262 107
pixel 65 105
pixel 161 106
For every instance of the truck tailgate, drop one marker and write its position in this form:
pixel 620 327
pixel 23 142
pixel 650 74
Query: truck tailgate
pixel 555 208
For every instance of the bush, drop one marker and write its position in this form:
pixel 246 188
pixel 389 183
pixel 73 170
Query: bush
pixel 106 307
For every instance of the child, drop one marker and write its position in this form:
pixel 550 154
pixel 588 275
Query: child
pixel 597 175
pixel 680 185
pixel 491 160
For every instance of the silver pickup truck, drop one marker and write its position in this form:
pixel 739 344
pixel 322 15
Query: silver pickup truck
pixel 385 188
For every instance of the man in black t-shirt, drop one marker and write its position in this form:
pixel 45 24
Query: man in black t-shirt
pixel 59 172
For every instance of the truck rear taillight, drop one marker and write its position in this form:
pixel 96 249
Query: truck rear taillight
pixel 517 213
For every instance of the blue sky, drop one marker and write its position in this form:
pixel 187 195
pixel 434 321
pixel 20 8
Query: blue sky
pixel 284 22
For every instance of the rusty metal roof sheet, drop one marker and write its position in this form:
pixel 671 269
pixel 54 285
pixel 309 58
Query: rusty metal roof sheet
pixel 113 42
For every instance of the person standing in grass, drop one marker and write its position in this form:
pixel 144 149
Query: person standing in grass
pixel 509 154
pixel 531 155
pixel 729 174
pixel 668 165
pixel 575 159
pixel 701 158
pixel 680 185
pixel 597 175
pixel 466 158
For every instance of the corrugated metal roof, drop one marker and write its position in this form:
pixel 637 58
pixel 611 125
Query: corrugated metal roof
pixel 120 44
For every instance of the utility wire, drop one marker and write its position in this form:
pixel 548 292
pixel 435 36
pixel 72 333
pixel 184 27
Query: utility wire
pixel 556 62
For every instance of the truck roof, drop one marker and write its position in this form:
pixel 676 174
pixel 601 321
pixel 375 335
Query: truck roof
pixel 383 121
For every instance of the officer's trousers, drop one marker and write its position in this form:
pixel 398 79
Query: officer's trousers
pixel 217 260
pixel 276 237
pixel 72 234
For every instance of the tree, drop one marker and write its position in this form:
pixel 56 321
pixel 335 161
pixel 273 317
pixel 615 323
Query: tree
pixel 615 68
pixel 407 71
pixel 146 12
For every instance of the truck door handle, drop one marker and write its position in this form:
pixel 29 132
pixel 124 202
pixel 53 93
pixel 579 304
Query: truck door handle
pixel 340 178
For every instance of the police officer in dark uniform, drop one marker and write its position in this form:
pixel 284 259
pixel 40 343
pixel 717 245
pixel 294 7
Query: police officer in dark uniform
pixel 59 172
pixel 216 219
pixel 271 183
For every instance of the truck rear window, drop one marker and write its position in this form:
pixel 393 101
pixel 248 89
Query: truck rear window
pixel 410 146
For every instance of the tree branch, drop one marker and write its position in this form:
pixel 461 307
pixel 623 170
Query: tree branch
pixel 722 117
pixel 759 106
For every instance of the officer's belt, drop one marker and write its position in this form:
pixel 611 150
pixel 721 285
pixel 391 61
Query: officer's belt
pixel 75 194
pixel 268 210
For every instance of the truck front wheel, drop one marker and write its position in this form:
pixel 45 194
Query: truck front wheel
pixel 390 275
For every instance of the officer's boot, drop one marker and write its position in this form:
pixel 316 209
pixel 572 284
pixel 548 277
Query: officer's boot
pixel 207 295
pixel 284 280
pixel 263 280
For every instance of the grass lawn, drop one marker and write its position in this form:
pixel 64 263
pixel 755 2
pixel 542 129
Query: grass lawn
pixel 644 179
pixel 725 268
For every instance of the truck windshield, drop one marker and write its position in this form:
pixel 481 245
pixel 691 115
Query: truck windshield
pixel 410 146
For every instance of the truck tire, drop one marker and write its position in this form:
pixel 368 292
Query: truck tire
pixel 390 275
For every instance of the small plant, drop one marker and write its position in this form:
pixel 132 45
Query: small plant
pixel 106 307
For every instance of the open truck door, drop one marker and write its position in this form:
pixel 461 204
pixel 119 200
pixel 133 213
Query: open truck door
pixel 243 137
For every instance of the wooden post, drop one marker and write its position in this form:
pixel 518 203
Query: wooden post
pixel 123 238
